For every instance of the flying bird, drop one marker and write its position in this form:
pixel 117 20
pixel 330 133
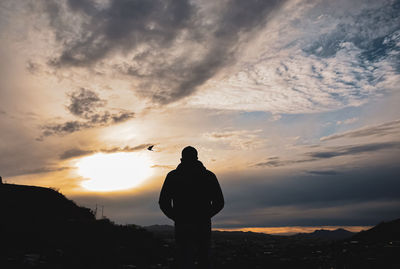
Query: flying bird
pixel 150 148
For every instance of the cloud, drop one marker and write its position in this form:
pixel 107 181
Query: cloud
pixel 387 128
pixel 170 48
pixel 89 107
pixel 96 120
pixel 283 56
pixel 276 56
pixel 239 139
pixel 84 103
pixel 276 162
pixel 72 153
pixel 353 150
pixel 325 61
pixel 76 152
pixel 367 27
pixel 122 116
pixel 118 26
pixel 301 58
pixel 40 170
pixel 331 152
pixel 62 128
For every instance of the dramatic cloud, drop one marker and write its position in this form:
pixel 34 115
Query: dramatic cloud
pixel 63 128
pixel 116 26
pixel 171 47
pixel 269 92
pixel 86 105
pixel 75 126
pixel 383 129
pixel 325 61
pixel 122 116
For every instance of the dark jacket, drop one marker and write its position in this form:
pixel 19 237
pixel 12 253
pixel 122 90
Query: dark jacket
pixel 191 194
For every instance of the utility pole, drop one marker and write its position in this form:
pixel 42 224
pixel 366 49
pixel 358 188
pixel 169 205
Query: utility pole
pixel 102 211
pixel 95 212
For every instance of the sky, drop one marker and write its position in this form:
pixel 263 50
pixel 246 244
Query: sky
pixel 294 105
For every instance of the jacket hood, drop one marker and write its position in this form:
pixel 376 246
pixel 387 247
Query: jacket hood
pixel 195 165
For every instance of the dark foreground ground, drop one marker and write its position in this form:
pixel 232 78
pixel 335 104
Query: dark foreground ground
pixel 377 248
pixel 40 228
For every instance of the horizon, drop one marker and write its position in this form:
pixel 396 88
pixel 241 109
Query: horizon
pixel 292 230
pixel 284 230
pixel 293 105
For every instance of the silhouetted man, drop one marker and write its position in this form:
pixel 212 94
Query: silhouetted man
pixel 191 196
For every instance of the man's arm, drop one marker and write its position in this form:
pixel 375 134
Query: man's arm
pixel 217 199
pixel 165 200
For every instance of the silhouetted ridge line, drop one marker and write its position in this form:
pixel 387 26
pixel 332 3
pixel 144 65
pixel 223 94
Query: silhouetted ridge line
pixel 41 228
pixel 21 204
pixel 384 231
pixel 338 234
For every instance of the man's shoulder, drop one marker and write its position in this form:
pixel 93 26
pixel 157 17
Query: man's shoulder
pixel 210 174
pixel 172 173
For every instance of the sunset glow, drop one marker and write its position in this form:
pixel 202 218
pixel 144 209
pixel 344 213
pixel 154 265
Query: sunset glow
pixel 294 229
pixel 112 172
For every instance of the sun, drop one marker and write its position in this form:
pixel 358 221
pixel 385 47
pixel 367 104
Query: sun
pixel 114 171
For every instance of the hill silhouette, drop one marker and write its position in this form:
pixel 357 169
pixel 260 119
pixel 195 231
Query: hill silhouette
pixel 31 204
pixel 384 231
pixel 41 228
pixel 338 234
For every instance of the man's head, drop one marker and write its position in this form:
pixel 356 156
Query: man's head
pixel 189 154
